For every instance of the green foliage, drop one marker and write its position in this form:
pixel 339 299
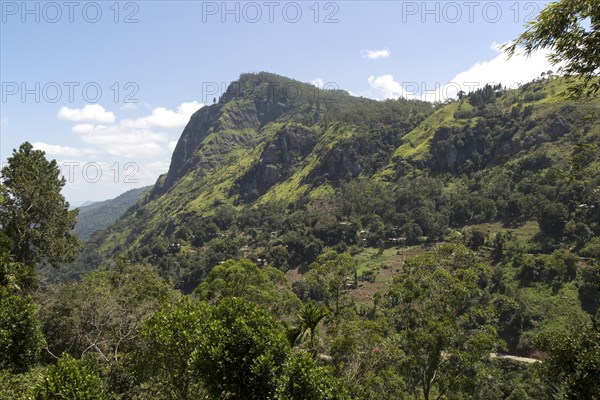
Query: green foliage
pixel 100 315
pixel 17 386
pixel 367 358
pixel 572 366
pixel 592 249
pixel 552 219
pixel 329 277
pixel 561 28
pixel 310 317
pixel 444 326
pixel 307 380
pixel 70 379
pixel 21 339
pixel 163 358
pixel 266 287
pixel 16 277
pixel 33 213
pixel 243 353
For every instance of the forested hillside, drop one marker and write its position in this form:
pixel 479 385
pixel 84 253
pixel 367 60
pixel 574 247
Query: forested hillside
pixel 310 244
pixel 283 178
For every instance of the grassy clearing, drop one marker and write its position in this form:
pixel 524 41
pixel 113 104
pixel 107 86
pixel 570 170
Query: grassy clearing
pixel 415 145
pixel 523 233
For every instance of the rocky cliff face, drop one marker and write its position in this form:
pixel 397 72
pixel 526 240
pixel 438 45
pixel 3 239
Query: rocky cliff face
pixel 249 104
pixel 338 164
pixel 277 161
pixel 194 133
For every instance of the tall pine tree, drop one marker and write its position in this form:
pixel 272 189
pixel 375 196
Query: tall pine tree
pixel 34 215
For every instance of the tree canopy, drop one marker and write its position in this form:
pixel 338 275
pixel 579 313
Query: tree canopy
pixel 571 30
pixel 34 215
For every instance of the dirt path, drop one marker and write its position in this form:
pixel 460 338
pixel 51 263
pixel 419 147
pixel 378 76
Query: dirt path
pixel 515 358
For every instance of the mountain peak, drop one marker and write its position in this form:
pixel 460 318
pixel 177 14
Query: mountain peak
pixel 248 105
pixel 270 87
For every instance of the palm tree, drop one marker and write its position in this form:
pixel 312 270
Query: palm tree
pixel 310 317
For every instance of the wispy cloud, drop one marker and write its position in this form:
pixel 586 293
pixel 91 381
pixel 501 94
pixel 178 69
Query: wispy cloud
pixel 65 151
pixel 90 112
pixel 162 117
pixel 374 54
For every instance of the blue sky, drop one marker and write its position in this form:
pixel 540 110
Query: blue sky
pixel 146 66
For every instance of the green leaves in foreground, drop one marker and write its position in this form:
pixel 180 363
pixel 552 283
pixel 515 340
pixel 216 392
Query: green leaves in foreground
pixel 243 354
pixel 70 379
pixel 20 336
pixel 234 350
pixel 573 362
pixel 561 28
pixel 167 342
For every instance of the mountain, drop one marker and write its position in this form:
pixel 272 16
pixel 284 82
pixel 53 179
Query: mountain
pixel 277 170
pixel 98 215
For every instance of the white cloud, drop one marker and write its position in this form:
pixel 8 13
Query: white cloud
pixel 138 137
pixel 56 150
pixel 511 73
pixel 318 82
pixel 90 112
pixel 164 118
pixel 374 54
pixel 119 148
pixel 117 140
pixel 84 128
pixel 388 87
pixel 129 107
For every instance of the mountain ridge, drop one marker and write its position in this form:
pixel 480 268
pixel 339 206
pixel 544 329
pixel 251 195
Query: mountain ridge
pixel 100 214
pixel 252 158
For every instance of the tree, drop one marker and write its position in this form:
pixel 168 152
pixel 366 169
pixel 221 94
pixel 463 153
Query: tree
pixel 243 352
pixel 266 287
pixel 310 317
pixel 367 358
pixel 552 219
pixel 561 27
pixel 442 324
pixel 33 213
pixel 167 342
pixel 70 379
pixel 100 316
pixel 307 380
pixel 329 275
pixel 573 362
pixel 17 277
pixel 21 339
